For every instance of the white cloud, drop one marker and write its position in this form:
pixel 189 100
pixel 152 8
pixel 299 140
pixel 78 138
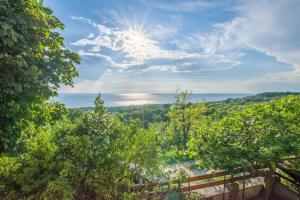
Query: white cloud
pixel 91 35
pixel 142 51
pixel 97 55
pixel 83 19
pixel 162 68
pixel 270 27
pixel 273 29
pixel 99 41
pixel 162 32
pixel 183 62
pixel 103 29
pixel 166 68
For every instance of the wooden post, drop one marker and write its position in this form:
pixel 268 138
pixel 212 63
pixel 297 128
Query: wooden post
pixel 234 191
pixel 189 183
pixel 244 174
pixel 224 187
pixel 269 183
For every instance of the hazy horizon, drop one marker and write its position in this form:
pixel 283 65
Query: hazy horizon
pixel 114 99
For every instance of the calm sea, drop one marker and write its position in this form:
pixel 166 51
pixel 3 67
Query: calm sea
pixel 87 100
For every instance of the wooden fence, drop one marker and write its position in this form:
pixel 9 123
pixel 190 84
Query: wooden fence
pixel 272 179
pixel 193 183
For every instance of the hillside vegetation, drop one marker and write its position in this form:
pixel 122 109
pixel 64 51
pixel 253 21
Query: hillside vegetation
pixel 50 152
pixel 157 112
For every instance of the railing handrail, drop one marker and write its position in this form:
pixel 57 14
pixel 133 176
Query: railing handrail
pixel 221 182
pixel 150 186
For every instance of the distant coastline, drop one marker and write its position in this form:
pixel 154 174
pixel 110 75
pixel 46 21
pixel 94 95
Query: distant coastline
pixel 114 99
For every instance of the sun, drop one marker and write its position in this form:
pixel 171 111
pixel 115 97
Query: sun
pixel 137 45
pixel 135 38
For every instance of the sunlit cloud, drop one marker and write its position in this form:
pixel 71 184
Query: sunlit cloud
pixel 141 51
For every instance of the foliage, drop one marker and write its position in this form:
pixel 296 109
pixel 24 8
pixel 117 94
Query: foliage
pixel 184 117
pixel 147 114
pixel 33 62
pixel 97 157
pixel 157 113
pixel 255 136
pixel 165 129
pixel 220 109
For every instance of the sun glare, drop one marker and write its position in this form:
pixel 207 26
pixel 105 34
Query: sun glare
pixel 137 45
pixel 136 37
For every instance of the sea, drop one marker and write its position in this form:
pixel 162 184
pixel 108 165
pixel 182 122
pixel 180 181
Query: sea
pixel 113 99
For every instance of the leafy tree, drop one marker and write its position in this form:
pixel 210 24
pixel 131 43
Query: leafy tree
pixel 220 109
pixel 259 135
pixel 33 62
pixel 184 117
pixel 96 157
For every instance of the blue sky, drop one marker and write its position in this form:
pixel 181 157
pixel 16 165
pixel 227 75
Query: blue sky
pixel 207 46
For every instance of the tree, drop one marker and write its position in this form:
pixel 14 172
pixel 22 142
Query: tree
pixel 259 135
pixel 33 62
pixel 183 118
pixel 96 157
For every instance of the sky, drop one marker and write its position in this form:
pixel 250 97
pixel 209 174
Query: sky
pixel 206 46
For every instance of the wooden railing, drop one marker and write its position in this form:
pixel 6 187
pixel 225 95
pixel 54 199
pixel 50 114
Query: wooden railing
pixel 190 184
pixel 198 182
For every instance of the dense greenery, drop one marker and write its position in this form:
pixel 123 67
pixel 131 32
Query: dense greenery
pixel 183 119
pixel 222 108
pixel 95 157
pixel 50 152
pixel 33 63
pixel 259 134
pixel 148 114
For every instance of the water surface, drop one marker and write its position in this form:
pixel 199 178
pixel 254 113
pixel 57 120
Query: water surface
pixel 87 100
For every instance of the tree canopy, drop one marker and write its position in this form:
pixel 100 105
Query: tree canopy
pixel 95 157
pixel 259 135
pixel 33 62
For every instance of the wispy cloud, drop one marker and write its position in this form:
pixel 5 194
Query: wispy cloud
pixel 142 51
pixel 162 69
pixel 91 35
pixel 270 27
